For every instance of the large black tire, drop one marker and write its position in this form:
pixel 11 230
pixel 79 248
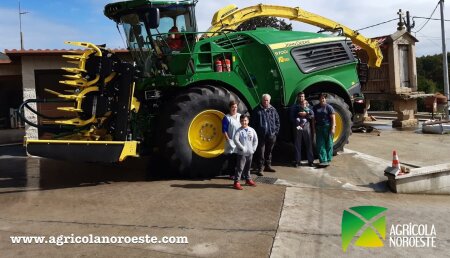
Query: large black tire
pixel 343 121
pixel 176 122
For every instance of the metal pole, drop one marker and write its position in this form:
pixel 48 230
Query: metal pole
pixel 444 58
pixel 408 22
pixel 20 28
pixel 400 20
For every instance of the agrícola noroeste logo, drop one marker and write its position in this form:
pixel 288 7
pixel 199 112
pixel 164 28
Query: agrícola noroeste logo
pixel 371 220
pixel 367 225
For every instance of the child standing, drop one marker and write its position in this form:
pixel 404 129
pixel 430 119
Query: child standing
pixel 302 120
pixel 246 142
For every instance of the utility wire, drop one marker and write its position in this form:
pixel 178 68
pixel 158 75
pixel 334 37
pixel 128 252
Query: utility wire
pixel 430 40
pixel 428 19
pixel 376 24
pixel 434 39
pixel 431 37
pixel 434 19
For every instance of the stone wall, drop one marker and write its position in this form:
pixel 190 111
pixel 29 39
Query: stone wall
pixel 29 65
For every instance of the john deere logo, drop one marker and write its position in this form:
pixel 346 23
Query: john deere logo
pixel 366 224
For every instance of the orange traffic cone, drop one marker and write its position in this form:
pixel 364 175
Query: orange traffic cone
pixel 395 161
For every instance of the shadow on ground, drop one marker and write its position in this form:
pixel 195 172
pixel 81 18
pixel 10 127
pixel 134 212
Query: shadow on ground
pixel 20 173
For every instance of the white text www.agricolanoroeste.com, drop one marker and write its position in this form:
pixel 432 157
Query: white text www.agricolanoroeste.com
pixel 95 239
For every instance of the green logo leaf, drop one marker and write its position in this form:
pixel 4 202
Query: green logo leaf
pixel 370 221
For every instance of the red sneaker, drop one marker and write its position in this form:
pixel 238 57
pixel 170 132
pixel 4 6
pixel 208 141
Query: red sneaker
pixel 237 186
pixel 250 182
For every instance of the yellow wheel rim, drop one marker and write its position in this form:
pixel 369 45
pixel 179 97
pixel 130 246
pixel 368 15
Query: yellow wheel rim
pixel 339 127
pixel 205 134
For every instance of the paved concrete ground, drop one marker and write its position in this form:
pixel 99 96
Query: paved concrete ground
pixel 51 200
pixel 412 146
pixel 310 225
pixel 316 198
pixel 298 216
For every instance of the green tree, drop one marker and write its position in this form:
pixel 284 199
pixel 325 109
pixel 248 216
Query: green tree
pixel 429 76
pixel 426 85
pixel 262 22
pixel 429 73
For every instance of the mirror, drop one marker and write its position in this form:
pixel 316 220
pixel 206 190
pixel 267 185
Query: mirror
pixel 152 18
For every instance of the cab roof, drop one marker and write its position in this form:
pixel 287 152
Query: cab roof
pixel 115 10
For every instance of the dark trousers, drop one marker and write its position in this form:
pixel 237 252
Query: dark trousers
pixel 243 164
pixel 303 138
pixel 231 164
pixel 264 151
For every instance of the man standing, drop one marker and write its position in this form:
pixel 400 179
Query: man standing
pixel 302 118
pixel 266 122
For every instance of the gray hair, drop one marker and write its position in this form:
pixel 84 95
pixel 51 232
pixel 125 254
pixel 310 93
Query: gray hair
pixel 266 95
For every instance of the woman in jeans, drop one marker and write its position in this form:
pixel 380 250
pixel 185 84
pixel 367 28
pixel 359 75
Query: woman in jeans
pixel 230 124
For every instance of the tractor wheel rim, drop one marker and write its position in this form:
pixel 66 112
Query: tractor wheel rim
pixel 339 127
pixel 205 134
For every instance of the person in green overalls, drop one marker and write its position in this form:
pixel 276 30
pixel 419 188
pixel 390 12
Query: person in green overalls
pixel 325 128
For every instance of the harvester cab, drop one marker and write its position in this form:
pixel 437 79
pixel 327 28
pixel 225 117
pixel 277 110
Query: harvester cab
pixel 155 30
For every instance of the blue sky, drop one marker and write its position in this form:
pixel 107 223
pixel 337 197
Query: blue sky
pixel 49 23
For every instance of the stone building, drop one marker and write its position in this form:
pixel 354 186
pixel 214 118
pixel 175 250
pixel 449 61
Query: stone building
pixel 396 79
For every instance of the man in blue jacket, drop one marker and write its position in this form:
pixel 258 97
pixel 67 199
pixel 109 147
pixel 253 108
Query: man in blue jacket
pixel 266 122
